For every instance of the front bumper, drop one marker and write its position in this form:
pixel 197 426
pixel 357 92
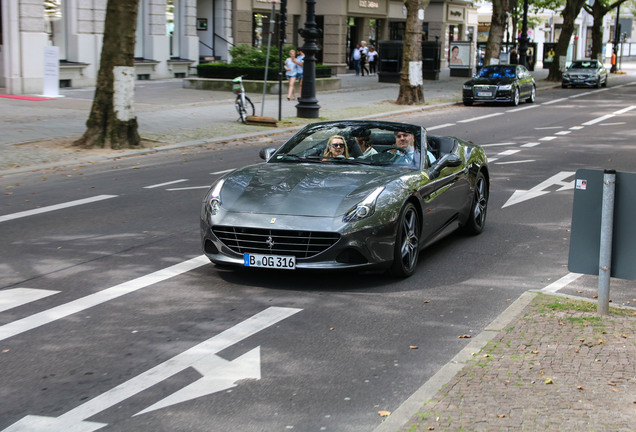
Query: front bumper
pixel 487 94
pixel 361 245
pixel 580 80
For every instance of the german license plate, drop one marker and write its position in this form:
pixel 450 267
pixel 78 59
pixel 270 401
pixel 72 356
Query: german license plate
pixel 484 94
pixel 270 261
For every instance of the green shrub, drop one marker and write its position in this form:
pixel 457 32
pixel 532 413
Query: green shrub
pixel 250 61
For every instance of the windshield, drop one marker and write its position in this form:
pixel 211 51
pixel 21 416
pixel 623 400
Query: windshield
pixel 583 65
pixel 497 72
pixel 358 143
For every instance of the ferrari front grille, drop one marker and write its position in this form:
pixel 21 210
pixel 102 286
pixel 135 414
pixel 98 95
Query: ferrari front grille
pixel 301 244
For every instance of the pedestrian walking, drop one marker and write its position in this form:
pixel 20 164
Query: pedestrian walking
pixel 355 58
pixel 363 57
pixel 300 63
pixel 373 58
pixel 290 72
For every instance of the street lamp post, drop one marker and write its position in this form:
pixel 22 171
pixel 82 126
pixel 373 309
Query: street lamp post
pixel 307 106
pixel 523 40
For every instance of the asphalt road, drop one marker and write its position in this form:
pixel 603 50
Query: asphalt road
pixel 108 314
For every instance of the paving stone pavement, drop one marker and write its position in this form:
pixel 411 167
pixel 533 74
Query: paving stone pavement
pixel 557 366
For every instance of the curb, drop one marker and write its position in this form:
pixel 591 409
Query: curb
pixel 416 401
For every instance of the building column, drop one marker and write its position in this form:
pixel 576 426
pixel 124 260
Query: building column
pixel 334 36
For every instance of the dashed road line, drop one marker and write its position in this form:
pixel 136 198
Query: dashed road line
pixel 55 207
pixel 165 184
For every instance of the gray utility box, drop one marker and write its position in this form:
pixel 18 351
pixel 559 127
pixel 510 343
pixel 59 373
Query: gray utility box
pixel 586 224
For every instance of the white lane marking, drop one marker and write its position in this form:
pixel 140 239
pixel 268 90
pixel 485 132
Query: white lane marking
pixel 547 138
pixel 55 207
pixel 554 101
pixel 202 357
pixel 556 180
pixel 15 297
pixel 165 184
pixel 497 144
pixel 613 124
pixel 624 110
pixel 527 107
pixel 598 120
pixel 576 127
pixel 223 172
pixel 440 126
pixel 189 188
pixel 561 283
pixel 548 127
pixel 39 319
pixel 563 132
pixel 504 153
pixel 515 162
pixel 480 118
pixel 581 94
pixel 530 144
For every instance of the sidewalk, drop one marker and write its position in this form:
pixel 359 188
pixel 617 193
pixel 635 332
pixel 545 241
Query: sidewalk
pixel 548 363
pixel 169 114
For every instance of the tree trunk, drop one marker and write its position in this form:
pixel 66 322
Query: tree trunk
pixel 112 121
pixel 598 10
pixel 569 14
pixel 411 80
pixel 496 32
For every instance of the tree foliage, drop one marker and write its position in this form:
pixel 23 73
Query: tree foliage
pixel 106 126
pixel 598 10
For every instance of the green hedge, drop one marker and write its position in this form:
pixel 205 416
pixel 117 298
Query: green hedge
pixel 228 71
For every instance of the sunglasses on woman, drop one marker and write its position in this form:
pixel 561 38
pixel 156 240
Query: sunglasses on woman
pixel 337 145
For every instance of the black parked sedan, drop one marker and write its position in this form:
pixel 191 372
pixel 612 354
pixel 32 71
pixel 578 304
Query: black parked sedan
pixel 500 83
pixel 589 73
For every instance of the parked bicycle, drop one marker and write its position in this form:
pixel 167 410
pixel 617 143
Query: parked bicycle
pixel 243 104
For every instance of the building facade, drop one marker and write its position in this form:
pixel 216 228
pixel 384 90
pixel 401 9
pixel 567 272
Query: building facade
pixel 173 36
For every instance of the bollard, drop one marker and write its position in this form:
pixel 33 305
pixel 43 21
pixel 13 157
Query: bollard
pixel 607 229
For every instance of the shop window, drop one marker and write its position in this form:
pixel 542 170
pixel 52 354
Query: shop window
pixel 54 18
pixel 173 26
pixel 397 30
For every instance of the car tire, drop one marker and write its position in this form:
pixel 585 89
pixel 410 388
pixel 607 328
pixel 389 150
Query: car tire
pixel 479 208
pixel 598 83
pixel 533 93
pixel 407 242
pixel 468 103
pixel 515 97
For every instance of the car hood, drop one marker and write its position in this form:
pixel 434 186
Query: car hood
pixel 301 189
pixel 490 81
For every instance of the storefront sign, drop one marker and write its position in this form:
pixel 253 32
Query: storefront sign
pixel 455 13
pixel 368 4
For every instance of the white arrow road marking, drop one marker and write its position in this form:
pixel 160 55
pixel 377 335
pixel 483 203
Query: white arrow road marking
pixel 522 195
pixel 64 310
pixel 201 356
pixel 55 207
pixel 218 375
pixel 15 297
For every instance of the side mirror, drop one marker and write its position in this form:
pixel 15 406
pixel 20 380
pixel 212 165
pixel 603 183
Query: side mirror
pixel 448 160
pixel 266 153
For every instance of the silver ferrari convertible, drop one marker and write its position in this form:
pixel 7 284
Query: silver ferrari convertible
pixel 347 194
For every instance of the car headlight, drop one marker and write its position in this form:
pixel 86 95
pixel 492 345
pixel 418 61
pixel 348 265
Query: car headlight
pixel 505 87
pixel 468 87
pixel 364 208
pixel 566 75
pixel 213 199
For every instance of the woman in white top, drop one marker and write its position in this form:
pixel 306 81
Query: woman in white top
pixel 290 73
